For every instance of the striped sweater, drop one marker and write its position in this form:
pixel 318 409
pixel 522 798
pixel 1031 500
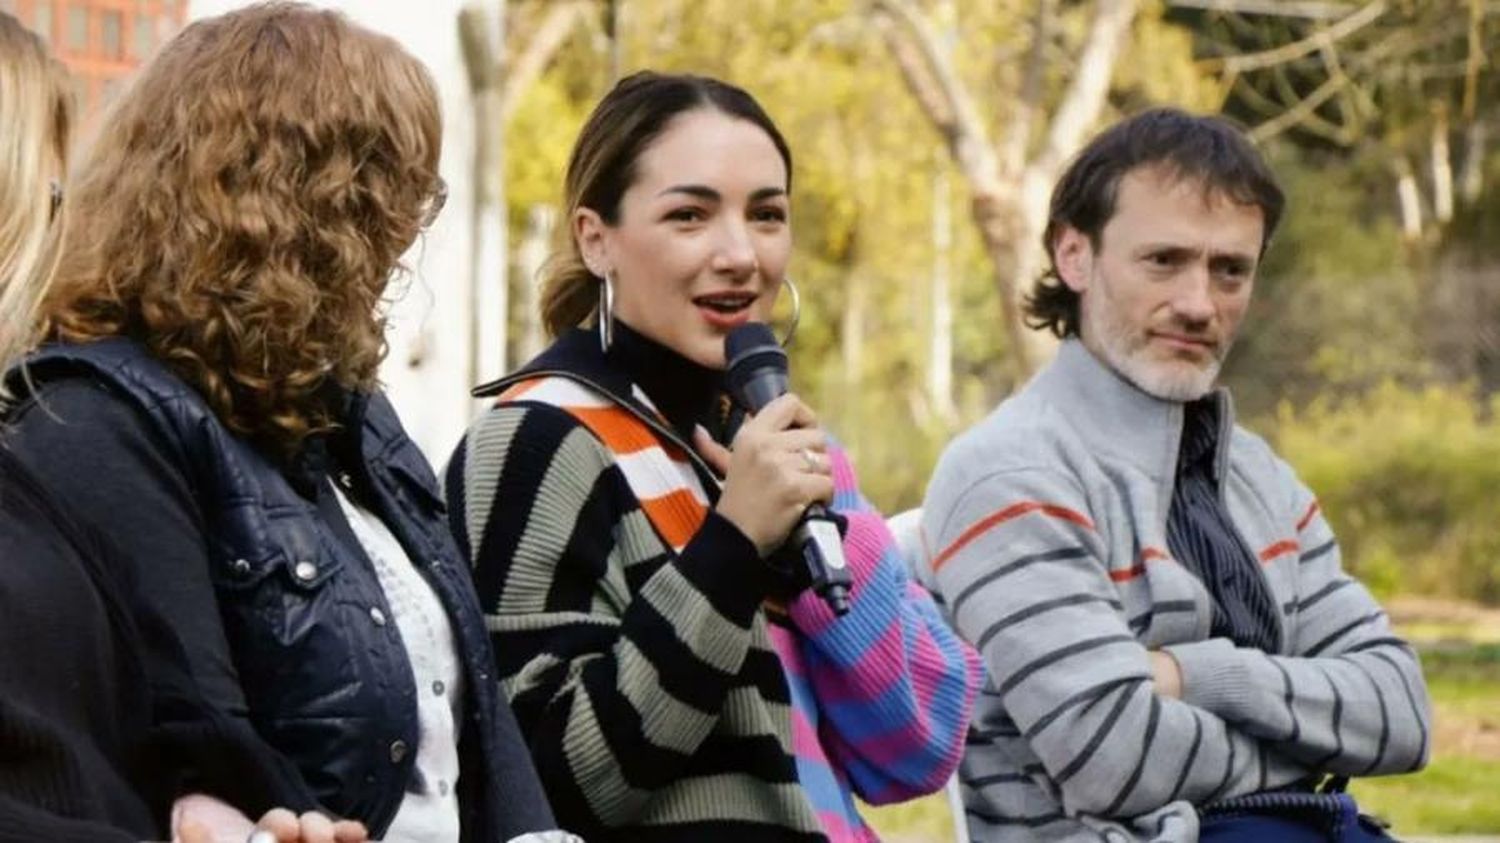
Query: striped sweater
pixel 661 698
pixel 1046 529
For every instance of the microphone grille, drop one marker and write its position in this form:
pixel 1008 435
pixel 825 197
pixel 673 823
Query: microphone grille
pixel 749 338
pixel 750 350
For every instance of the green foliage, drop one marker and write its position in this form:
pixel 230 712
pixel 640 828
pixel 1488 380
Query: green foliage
pixel 1332 309
pixel 545 124
pixel 1409 480
pixel 1454 795
pixel 1156 67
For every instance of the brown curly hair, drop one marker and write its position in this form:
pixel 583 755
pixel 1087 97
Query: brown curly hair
pixel 244 207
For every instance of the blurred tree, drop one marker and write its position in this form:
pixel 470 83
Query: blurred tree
pixel 1410 82
pixel 1010 178
pixel 501 66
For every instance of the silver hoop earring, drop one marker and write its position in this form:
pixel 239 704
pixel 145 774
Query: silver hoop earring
pixel 791 330
pixel 606 318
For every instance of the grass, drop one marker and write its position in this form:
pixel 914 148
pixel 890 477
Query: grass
pixel 1458 792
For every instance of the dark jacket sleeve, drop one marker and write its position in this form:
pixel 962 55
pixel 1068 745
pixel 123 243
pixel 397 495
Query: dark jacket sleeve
pixel 97 453
pixel 21 822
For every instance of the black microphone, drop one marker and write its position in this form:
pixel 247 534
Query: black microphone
pixel 757 376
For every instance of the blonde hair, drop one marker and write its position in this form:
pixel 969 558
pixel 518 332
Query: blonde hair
pixel 246 204
pixel 35 124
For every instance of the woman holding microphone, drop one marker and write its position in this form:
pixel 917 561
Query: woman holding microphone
pixel 674 679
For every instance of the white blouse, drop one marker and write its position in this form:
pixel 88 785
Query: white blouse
pixel 429 811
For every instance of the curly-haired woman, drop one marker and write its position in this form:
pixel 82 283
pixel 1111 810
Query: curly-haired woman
pixel 209 400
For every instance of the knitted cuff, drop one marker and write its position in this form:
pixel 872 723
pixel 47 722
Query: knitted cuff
pixel 725 566
pixel 1215 677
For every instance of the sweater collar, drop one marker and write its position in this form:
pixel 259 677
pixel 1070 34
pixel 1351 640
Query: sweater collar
pixel 635 368
pixel 1116 417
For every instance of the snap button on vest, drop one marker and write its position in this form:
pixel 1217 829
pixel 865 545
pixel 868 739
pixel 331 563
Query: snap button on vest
pixel 377 616
pixel 240 566
pixel 305 571
pixel 398 751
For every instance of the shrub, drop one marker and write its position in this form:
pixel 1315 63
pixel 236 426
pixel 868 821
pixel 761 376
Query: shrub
pixel 1410 480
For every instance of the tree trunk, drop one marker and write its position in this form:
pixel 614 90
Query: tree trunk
pixel 998 218
pixel 1471 183
pixel 530 259
pixel 940 340
pixel 1409 197
pixel 852 334
pixel 614 23
pixel 1442 167
pixel 940 336
pixel 482 35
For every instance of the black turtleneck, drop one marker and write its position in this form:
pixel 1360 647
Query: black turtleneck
pixel 687 393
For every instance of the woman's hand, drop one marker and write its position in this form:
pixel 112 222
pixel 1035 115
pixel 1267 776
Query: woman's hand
pixel 776 466
pixel 197 818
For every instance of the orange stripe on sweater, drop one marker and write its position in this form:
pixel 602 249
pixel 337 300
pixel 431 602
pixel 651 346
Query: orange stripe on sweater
pixel 517 390
pixel 621 432
pixel 1308 517
pixel 676 515
pixel 1148 554
pixel 1280 548
pixel 1010 512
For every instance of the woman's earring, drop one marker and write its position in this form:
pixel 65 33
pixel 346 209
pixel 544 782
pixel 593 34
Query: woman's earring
pixel 791 330
pixel 606 318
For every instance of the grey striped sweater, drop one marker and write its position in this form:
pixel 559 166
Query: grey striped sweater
pixel 1045 527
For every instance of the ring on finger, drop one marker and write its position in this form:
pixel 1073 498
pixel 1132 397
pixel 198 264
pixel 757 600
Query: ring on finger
pixel 811 460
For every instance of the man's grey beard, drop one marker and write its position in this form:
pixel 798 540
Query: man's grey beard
pixel 1123 353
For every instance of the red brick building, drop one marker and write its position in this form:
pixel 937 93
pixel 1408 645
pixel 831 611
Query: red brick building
pixel 101 41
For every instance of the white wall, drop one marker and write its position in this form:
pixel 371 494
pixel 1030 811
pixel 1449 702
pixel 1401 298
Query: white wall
pixel 431 319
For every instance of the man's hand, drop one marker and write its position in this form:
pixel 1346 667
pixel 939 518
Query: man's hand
pixel 1166 675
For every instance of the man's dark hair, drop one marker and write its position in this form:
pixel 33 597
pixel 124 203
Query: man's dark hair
pixel 1209 150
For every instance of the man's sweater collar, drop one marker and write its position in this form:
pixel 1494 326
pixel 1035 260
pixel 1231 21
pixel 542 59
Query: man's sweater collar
pixel 1113 416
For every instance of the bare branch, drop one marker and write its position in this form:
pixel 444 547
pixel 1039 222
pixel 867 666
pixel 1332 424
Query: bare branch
pixel 924 89
pixel 1476 59
pixel 1018 129
pixel 1347 115
pixel 931 77
pixel 1297 49
pixel 1276 8
pixel 1086 93
pixel 1300 112
pixel 543 45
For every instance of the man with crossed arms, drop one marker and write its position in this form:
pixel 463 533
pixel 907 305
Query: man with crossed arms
pixel 1173 646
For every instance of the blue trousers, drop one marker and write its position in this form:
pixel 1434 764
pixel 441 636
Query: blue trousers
pixel 1343 826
